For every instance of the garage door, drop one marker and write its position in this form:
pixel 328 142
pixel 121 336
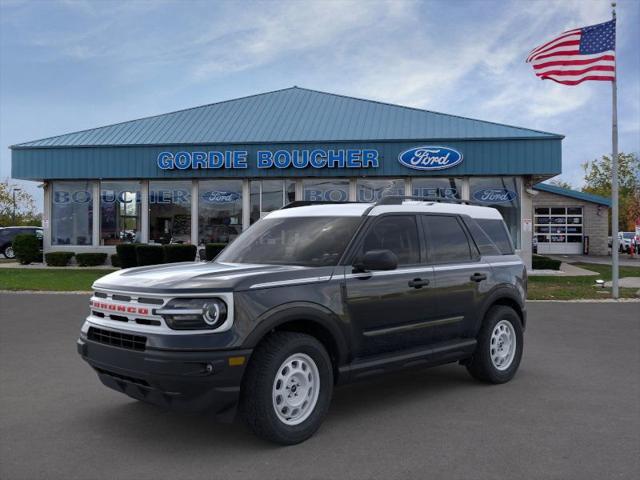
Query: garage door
pixel 558 229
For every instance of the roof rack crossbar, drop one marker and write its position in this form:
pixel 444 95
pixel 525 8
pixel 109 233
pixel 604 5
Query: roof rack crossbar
pixel 306 203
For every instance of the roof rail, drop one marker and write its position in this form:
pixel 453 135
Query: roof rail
pixel 398 199
pixel 306 203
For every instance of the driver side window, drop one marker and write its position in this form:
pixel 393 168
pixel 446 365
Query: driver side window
pixel 398 233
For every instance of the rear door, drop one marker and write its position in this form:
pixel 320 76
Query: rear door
pixel 460 278
pixel 388 310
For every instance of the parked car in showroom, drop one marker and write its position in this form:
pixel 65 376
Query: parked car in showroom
pixel 307 298
pixel 7 234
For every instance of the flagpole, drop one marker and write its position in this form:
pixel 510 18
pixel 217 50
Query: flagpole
pixel 614 177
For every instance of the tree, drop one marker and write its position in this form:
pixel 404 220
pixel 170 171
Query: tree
pixel 25 207
pixel 597 180
pixel 558 182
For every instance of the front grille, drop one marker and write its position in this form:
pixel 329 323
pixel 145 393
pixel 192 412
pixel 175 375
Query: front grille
pixel 117 339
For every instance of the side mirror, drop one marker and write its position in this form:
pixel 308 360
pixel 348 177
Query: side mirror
pixel 377 260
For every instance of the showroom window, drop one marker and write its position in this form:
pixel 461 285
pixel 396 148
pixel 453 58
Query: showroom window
pixel 372 190
pixel 119 212
pixel 219 211
pixel 72 213
pixel 170 212
pixel 437 187
pixel 270 195
pixel 326 190
pixel 503 194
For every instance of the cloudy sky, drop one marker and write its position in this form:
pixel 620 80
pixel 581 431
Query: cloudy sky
pixel 72 65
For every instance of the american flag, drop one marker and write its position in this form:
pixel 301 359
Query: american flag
pixel 587 53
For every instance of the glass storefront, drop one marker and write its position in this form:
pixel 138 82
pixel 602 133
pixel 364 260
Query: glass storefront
pixel 269 195
pixel 371 190
pixel 170 212
pixel 72 213
pixel 119 212
pixel 503 194
pixel 219 211
pixel 326 190
pixel 437 187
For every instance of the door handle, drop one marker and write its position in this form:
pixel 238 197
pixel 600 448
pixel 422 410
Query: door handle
pixel 478 277
pixel 418 283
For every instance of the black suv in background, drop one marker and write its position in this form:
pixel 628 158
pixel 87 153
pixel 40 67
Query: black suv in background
pixel 307 298
pixel 7 234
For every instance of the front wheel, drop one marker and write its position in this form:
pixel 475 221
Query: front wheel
pixel 287 388
pixel 499 347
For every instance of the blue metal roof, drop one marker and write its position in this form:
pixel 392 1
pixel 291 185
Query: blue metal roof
pixel 565 192
pixel 289 116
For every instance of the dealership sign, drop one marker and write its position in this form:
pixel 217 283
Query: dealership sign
pixel 494 195
pixel 430 158
pixel 265 159
pixel 220 197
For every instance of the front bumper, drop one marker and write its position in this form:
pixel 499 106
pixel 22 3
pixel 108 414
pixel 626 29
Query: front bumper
pixel 181 380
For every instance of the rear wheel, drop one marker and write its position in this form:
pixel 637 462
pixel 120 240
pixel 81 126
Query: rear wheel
pixel 8 252
pixel 499 349
pixel 287 388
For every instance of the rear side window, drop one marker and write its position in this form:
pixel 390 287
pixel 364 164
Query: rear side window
pixel 446 240
pixel 483 242
pixel 497 232
pixel 396 233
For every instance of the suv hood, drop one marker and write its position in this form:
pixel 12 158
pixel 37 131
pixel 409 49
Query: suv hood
pixel 190 277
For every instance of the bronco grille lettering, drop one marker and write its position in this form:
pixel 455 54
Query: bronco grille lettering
pixel 111 307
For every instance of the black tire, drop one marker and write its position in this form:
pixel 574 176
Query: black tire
pixel 480 365
pixel 257 404
pixel 8 252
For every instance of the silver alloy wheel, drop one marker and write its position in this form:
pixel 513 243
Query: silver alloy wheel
pixel 8 252
pixel 503 345
pixel 296 389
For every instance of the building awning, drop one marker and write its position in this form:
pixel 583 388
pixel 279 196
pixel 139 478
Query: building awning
pixel 565 192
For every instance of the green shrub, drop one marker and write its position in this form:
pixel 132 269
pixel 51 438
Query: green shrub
pixel 176 252
pixel 27 248
pixel 545 263
pixel 58 259
pixel 213 249
pixel 115 260
pixel 149 255
pixel 90 259
pixel 127 255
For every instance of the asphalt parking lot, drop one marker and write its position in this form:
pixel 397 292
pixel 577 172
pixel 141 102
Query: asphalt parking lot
pixel 571 412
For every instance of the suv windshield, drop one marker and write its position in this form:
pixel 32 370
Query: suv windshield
pixel 307 241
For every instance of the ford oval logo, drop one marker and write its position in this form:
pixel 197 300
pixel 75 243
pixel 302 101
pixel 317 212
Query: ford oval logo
pixel 495 195
pixel 220 197
pixel 430 158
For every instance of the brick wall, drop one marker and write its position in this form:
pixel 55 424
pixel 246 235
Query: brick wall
pixel 595 226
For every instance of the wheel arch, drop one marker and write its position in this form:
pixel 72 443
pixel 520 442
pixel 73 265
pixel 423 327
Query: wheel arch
pixel 312 319
pixel 507 297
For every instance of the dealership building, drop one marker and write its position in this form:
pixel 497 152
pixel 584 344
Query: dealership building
pixel 203 175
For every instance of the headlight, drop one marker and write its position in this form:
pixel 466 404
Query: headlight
pixel 194 313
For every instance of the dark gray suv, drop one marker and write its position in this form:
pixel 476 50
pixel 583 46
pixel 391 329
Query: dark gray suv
pixel 307 298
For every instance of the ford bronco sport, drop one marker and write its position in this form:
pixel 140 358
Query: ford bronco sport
pixel 307 298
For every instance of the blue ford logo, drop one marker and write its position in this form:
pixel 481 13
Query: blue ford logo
pixel 220 197
pixel 495 195
pixel 430 158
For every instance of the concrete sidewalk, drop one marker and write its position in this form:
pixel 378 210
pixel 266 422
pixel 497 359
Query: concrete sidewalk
pixel 624 259
pixel 566 270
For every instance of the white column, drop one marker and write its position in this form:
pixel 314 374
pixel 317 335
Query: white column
pixel 466 189
pixel 353 193
pixel 95 241
pixel 46 216
pixel 299 189
pixel 246 203
pixel 526 223
pixel 194 212
pixel 408 187
pixel 144 211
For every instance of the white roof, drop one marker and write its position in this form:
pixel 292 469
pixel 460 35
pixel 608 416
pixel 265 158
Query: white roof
pixel 358 209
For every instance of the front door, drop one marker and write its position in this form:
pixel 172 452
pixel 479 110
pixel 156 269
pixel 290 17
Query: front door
pixel 390 309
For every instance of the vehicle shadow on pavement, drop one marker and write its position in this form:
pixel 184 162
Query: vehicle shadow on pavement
pixel 149 426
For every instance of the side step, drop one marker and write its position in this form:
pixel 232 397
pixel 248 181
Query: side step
pixel 437 354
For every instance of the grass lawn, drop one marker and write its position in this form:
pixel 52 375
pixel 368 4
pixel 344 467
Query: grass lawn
pixel 62 280
pixel 568 288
